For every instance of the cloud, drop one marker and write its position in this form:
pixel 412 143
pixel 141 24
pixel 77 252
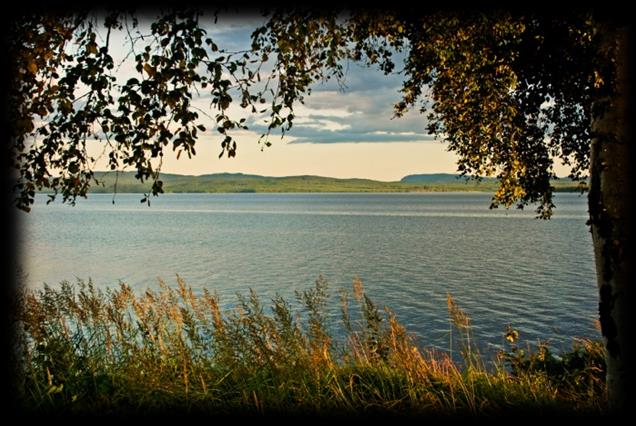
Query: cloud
pixel 359 111
pixel 233 30
pixel 321 123
pixel 364 115
pixel 329 131
pixel 344 136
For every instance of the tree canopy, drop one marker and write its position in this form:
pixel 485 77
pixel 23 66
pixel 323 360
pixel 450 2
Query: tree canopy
pixel 509 92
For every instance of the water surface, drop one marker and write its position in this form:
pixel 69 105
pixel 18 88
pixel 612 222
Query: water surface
pixel 410 250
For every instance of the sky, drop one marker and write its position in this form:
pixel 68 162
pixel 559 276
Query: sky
pixel 338 132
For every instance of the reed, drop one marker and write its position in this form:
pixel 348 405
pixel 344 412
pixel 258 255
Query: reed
pixel 81 349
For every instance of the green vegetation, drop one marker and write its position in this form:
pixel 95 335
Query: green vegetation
pixel 81 350
pixel 227 182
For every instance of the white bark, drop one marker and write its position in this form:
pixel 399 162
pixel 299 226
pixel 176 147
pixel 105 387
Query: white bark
pixel 610 218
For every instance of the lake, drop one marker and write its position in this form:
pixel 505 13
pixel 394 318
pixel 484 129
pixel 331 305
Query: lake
pixel 410 250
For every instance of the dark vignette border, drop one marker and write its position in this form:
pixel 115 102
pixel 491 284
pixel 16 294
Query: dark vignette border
pixel 9 233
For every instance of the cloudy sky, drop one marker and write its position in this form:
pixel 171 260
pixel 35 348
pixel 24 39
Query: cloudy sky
pixel 336 133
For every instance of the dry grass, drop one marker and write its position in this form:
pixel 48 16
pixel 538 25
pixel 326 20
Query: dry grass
pixel 85 350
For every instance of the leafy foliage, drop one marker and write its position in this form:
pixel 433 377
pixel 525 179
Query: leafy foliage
pixel 54 59
pixel 583 367
pixel 507 91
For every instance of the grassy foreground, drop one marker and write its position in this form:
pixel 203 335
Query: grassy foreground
pixel 81 350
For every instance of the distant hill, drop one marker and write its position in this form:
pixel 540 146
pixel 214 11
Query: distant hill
pixel 440 178
pixel 239 182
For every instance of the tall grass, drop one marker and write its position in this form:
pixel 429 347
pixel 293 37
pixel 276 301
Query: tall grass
pixel 81 350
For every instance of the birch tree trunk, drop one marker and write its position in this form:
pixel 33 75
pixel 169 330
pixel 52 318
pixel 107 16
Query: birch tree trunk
pixel 610 198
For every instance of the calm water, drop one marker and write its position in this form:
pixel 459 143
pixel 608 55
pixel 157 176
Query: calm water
pixel 409 249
